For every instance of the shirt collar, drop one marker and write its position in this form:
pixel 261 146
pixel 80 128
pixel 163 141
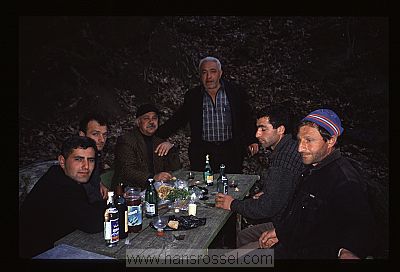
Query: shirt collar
pixel 327 160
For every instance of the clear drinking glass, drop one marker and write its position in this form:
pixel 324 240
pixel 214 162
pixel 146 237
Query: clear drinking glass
pixel 232 183
pixel 160 222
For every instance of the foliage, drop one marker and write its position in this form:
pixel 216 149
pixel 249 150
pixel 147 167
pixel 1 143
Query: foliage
pixel 178 194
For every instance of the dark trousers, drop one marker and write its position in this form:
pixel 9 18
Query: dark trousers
pixel 248 238
pixel 228 153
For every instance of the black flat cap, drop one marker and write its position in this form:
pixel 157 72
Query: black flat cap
pixel 145 108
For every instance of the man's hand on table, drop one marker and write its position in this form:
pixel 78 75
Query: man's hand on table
pixel 163 176
pixel 346 254
pixel 223 201
pixel 257 196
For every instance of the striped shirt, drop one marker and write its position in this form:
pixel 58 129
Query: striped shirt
pixel 217 120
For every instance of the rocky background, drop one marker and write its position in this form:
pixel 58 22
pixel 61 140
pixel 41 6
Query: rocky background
pixel 68 65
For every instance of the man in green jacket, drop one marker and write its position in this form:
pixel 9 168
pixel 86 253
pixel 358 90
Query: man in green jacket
pixel 135 157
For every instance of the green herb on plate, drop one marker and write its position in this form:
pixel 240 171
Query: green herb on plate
pixel 178 194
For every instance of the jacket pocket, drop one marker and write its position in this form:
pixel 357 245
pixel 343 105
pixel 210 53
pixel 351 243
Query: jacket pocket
pixel 311 208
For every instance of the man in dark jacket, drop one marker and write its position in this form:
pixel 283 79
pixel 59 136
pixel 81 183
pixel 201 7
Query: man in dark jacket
pixel 135 156
pixel 279 181
pixel 329 215
pixel 220 121
pixel 58 205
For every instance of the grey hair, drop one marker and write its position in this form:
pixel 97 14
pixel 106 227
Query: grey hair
pixel 210 59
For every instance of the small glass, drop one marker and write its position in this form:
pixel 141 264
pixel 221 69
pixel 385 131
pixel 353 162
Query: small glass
pixel 232 183
pixel 181 184
pixel 160 222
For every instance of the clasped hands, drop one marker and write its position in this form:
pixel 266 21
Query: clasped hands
pixel 268 239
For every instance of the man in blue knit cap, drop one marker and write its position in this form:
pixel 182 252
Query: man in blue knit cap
pixel 329 215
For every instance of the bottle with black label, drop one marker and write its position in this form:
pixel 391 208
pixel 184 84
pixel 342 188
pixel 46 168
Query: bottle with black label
pixel 151 199
pixel 122 208
pixel 208 174
pixel 222 181
pixel 111 224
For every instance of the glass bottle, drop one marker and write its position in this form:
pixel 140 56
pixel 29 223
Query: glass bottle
pixel 122 208
pixel 111 227
pixel 208 174
pixel 192 205
pixel 134 203
pixel 222 181
pixel 151 199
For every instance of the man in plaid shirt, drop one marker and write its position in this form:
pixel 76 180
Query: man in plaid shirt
pixel 220 121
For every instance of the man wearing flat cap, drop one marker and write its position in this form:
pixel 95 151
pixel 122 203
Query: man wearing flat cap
pixel 329 215
pixel 135 157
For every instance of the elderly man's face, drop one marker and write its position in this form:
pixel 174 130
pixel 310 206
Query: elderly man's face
pixel 210 75
pixel 79 165
pixel 148 123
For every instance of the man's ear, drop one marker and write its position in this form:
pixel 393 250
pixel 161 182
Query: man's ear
pixel 331 142
pixel 61 161
pixel 281 129
pixel 81 133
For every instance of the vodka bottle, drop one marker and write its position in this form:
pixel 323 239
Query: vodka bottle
pixel 111 224
pixel 151 199
pixel 208 174
pixel 222 181
pixel 122 208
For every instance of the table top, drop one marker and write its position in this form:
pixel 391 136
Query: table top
pixel 146 240
pixel 63 251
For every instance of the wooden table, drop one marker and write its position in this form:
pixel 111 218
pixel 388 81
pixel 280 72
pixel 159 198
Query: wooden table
pixel 146 240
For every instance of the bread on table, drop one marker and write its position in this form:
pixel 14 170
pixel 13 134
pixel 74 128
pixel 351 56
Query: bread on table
pixel 173 224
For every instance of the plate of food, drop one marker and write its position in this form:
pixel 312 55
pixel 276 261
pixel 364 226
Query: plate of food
pixel 175 223
pixel 163 189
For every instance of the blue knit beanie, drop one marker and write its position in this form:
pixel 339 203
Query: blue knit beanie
pixel 327 119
